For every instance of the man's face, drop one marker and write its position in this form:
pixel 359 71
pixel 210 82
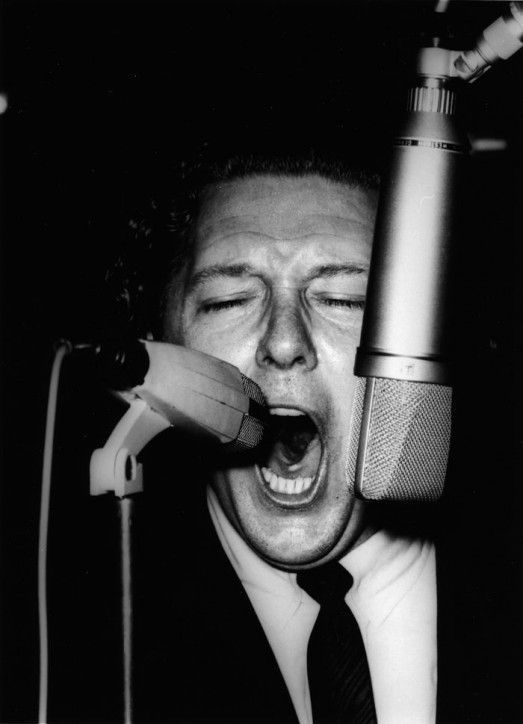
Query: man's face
pixel 276 287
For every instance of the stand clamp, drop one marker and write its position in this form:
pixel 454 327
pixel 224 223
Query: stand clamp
pixel 114 466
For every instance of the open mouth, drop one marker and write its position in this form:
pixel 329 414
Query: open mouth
pixel 291 458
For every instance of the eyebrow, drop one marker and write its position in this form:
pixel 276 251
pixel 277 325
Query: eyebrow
pixel 234 271
pixel 333 270
pixel 220 270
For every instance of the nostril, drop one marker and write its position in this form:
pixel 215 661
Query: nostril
pixel 284 362
pixel 287 343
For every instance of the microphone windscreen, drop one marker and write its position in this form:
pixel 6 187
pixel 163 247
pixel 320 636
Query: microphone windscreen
pixel 399 440
pixel 250 435
pixel 252 390
pixel 255 422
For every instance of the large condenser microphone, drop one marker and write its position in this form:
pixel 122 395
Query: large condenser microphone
pixel 401 424
pixel 401 420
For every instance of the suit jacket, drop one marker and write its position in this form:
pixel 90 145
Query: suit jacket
pixel 226 669
pixel 200 653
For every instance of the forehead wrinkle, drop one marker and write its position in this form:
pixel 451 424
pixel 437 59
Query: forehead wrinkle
pixel 248 251
pixel 282 194
pixel 275 228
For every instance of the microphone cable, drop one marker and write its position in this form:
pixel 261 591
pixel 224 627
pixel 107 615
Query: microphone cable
pixel 126 509
pixel 62 348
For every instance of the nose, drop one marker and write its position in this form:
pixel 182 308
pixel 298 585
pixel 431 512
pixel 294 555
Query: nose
pixel 287 342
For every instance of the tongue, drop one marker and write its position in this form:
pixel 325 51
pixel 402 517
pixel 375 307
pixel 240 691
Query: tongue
pixel 302 451
pixel 295 444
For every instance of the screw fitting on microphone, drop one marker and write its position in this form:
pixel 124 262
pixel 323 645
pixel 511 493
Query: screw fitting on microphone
pixel 499 41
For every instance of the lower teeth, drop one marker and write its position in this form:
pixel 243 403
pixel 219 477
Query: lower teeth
pixel 288 486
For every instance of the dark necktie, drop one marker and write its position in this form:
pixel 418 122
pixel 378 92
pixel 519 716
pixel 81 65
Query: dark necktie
pixel 339 678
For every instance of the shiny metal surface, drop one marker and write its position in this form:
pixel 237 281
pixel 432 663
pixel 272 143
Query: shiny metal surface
pixel 406 311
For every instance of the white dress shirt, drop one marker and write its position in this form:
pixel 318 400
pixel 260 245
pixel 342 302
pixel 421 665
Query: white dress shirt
pixel 393 599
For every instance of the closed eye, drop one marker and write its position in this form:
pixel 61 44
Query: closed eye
pixel 344 302
pixel 221 305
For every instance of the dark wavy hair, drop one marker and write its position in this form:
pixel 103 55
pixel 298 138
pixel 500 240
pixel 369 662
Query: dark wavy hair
pixel 149 266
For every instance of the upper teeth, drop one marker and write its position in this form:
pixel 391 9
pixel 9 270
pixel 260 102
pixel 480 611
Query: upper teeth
pixel 289 486
pixel 286 412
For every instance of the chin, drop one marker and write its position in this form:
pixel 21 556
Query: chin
pixel 297 547
pixel 289 535
pixel 298 561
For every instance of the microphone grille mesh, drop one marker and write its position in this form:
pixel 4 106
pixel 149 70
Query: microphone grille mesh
pixel 400 440
pixel 355 430
pixel 252 390
pixel 250 435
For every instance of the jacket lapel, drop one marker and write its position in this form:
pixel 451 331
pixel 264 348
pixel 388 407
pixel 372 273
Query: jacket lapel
pixel 200 651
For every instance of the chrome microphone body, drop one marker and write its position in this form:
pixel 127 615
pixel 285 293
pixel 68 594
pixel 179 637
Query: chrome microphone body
pixel 404 333
pixel 402 412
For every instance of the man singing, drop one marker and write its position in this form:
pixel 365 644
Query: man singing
pixel 293 601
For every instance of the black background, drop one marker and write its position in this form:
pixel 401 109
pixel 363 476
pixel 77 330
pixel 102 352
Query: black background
pixel 102 96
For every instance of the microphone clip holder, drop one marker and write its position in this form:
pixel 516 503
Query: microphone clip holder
pixel 114 468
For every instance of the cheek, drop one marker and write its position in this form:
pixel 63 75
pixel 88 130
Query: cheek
pixel 235 346
pixel 336 350
pixel 342 337
pixel 232 338
pixel 336 363
pixel 172 323
pixel 173 331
